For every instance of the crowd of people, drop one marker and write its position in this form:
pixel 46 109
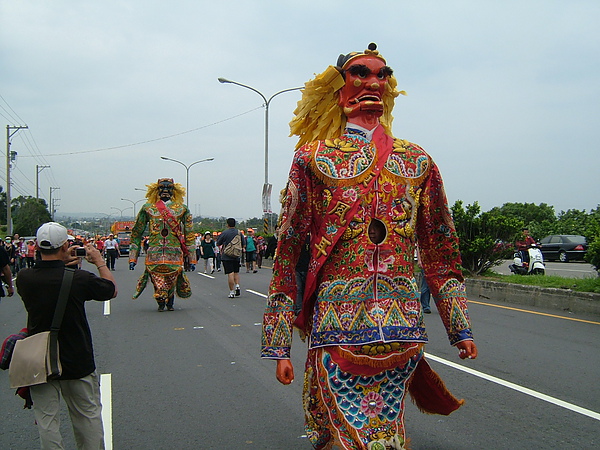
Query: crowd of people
pixel 22 252
pixel 254 249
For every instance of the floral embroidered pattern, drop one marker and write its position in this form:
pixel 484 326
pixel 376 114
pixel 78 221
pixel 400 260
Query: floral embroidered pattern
pixel 365 292
pixel 372 404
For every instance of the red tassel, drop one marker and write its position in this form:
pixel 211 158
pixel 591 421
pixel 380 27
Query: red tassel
pixel 429 393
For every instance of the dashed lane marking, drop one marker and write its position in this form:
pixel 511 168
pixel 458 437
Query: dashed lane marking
pixel 106 398
pixel 260 294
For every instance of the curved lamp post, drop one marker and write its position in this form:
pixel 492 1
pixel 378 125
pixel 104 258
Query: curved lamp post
pixel 133 203
pixel 187 174
pixel 266 187
pixel 120 210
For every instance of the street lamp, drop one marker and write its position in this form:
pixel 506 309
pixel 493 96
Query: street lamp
pixel 266 200
pixel 187 174
pixel 120 210
pixel 133 203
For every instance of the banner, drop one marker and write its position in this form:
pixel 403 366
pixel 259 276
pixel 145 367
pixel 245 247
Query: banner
pixel 266 198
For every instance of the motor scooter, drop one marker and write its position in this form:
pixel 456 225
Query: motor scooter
pixel 535 266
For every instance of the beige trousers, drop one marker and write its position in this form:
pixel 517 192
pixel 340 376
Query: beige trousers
pixel 82 397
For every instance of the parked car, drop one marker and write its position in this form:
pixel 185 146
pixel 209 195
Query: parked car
pixel 564 247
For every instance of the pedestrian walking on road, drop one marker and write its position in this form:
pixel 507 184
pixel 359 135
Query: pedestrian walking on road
pixel 111 250
pixel 207 251
pixel 231 263
pixel 5 273
pixel 250 252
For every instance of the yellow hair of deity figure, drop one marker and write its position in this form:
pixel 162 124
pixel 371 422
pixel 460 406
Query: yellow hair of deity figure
pixel 152 193
pixel 318 115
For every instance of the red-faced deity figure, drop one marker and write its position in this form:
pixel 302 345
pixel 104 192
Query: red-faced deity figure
pixel 366 77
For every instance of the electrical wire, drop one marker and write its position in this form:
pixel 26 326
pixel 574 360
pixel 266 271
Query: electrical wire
pixel 153 140
pixel 14 121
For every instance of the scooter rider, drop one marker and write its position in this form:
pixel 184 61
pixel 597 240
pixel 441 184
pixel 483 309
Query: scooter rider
pixel 524 244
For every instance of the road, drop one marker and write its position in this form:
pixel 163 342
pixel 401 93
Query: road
pixel 193 379
pixel 573 269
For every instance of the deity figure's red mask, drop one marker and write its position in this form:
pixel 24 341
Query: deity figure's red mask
pixel 361 97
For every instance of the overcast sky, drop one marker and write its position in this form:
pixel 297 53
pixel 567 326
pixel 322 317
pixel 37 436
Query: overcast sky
pixel 505 95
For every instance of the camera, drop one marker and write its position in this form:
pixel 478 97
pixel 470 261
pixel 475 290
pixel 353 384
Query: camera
pixel 80 251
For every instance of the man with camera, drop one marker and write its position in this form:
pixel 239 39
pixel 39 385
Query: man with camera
pixel 79 383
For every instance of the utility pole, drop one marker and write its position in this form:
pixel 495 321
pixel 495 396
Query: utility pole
pixel 38 169
pixel 51 205
pixel 9 157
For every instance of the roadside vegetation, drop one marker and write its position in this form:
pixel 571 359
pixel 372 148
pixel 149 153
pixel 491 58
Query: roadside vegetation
pixel 591 284
pixel 487 238
pixel 27 214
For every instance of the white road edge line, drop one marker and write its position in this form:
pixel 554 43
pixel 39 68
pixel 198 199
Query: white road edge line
pixel 516 387
pixel 256 293
pixel 106 398
pixel 206 275
pixel 569 270
pixel 508 384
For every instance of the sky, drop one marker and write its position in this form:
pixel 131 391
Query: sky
pixel 504 95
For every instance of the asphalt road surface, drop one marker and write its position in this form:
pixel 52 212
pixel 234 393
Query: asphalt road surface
pixel 193 379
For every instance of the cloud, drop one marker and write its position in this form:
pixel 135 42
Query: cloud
pixel 504 95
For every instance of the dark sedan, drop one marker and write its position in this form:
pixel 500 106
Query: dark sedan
pixel 564 247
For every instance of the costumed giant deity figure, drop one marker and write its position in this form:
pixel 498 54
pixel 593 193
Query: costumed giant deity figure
pixel 171 243
pixel 366 200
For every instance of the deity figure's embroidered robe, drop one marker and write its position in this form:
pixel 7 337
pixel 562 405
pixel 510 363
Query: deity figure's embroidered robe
pixel 361 310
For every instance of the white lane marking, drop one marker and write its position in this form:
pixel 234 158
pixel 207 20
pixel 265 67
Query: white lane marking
pixel 508 384
pixel 107 308
pixel 106 396
pixel 206 275
pixel 256 293
pixel 516 387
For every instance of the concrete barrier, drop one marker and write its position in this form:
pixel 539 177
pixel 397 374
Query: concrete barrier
pixel 557 299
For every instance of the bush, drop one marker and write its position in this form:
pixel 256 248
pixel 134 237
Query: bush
pixel 485 238
pixel 593 254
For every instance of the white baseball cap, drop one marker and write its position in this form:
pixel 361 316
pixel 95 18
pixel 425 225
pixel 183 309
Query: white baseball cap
pixel 51 235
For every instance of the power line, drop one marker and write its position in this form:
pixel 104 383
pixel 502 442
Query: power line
pixel 152 140
pixel 28 140
pixel 21 120
pixel 5 117
pixel 13 182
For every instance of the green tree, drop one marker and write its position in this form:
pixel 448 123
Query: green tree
pixel 592 235
pixel 540 219
pixel 593 254
pixel 29 215
pixel 572 221
pixel 485 238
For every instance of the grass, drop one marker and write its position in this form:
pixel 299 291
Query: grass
pixel 548 281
